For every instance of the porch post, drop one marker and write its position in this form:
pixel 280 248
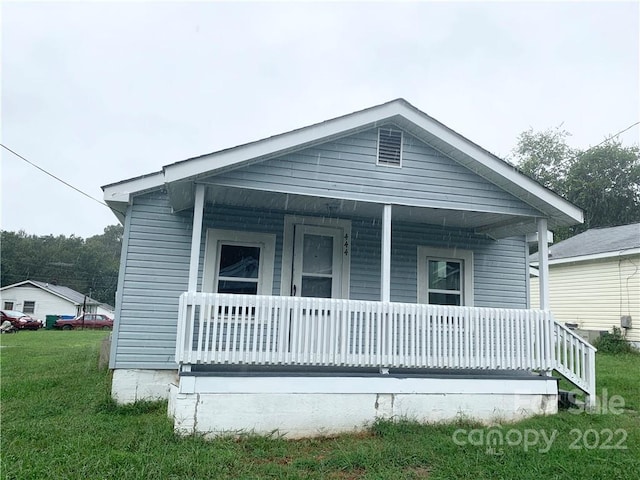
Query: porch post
pixel 196 235
pixel 385 277
pixel 543 263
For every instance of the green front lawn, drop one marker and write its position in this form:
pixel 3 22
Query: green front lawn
pixel 58 422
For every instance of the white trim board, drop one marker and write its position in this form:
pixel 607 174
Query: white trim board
pixel 466 256
pixel 382 384
pixel 595 256
pixel 398 111
pixel 215 237
pixel 287 248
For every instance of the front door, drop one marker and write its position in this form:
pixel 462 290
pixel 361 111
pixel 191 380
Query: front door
pixel 317 262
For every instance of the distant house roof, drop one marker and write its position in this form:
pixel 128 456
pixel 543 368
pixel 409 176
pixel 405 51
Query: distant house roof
pixel 67 293
pixel 596 243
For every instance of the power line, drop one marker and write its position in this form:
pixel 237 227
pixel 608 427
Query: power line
pixel 53 176
pixel 579 154
pixel 612 136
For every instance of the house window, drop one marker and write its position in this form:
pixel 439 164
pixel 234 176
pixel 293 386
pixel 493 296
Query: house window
pixel 239 268
pixel 239 262
pixel 445 276
pixel 444 283
pixel 28 306
pixel 389 147
pixel 8 305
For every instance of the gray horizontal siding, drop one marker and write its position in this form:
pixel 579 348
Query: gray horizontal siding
pixel 231 218
pixel 347 168
pixel 155 276
pixel 156 272
pixel 500 274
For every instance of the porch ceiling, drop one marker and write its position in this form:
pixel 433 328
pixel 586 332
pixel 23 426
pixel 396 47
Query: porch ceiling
pixel 492 224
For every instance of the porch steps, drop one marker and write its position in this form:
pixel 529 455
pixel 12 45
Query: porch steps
pixel 568 400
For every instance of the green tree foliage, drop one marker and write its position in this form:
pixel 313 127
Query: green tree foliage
pixel 545 156
pixel 89 266
pixel 604 180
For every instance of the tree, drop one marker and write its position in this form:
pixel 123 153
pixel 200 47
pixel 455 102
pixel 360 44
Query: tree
pixel 544 156
pixel 604 180
pixel 88 266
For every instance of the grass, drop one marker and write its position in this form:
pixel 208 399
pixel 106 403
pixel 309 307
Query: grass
pixel 58 422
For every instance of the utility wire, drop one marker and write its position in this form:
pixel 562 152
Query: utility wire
pixel 579 154
pixel 105 205
pixel 53 176
pixel 59 179
pixel 612 136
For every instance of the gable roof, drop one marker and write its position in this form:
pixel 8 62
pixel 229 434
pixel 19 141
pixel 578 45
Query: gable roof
pixel 61 291
pixel 173 177
pixel 596 243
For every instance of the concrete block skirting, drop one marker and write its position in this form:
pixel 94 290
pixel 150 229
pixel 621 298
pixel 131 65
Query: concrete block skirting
pixel 132 385
pixel 298 407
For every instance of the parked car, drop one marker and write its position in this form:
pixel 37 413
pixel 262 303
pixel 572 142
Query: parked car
pixel 88 320
pixel 20 320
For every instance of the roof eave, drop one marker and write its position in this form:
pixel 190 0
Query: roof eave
pixel 559 211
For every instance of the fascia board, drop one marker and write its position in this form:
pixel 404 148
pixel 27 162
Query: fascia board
pixel 24 282
pixel 279 144
pixel 123 191
pixel 498 166
pixel 595 256
pixel 533 237
pixel 496 170
pixel 18 284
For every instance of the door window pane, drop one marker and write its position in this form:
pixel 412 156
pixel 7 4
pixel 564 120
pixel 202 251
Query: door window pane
pixel 318 287
pixel 317 255
pixel 239 261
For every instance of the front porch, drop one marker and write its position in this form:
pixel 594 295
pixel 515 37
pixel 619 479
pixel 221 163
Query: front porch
pixel 426 361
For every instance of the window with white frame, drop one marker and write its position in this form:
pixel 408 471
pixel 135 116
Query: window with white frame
pixel 28 306
pixel 239 262
pixel 445 276
pixel 238 268
pixel 8 305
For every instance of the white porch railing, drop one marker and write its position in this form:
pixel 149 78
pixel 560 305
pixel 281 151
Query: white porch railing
pixel 268 330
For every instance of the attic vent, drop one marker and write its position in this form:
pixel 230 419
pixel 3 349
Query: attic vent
pixel 389 147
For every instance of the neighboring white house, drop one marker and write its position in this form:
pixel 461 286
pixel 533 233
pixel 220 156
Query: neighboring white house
pixel 40 299
pixel 594 280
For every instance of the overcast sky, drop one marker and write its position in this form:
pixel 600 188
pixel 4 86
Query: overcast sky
pixel 96 93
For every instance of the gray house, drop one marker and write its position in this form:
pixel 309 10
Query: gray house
pixel 370 266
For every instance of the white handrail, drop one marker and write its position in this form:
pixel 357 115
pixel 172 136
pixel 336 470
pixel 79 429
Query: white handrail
pixel 247 329
pixel 268 330
pixel 575 359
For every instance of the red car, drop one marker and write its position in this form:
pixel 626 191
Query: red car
pixel 20 320
pixel 88 320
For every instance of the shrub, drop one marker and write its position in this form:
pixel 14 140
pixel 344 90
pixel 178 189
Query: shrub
pixel 613 342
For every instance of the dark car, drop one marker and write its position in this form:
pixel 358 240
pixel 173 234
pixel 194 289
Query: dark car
pixel 20 320
pixel 88 320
